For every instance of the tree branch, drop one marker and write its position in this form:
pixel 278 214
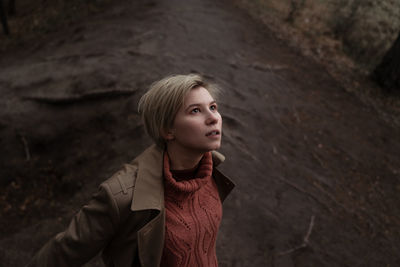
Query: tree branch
pixel 306 239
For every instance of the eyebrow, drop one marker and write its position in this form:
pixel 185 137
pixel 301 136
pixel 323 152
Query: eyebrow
pixel 198 104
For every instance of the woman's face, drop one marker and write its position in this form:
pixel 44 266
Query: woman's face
pixel 198 124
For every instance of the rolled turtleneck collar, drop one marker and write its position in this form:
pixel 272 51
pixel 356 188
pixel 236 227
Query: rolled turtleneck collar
pixel 187 174
pixel 196 177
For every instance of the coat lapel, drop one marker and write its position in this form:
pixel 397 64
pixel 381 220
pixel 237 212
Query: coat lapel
pixel 148 194
pixel 149 190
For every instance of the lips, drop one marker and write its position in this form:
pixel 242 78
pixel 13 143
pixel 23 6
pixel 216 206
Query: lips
pixel 212 133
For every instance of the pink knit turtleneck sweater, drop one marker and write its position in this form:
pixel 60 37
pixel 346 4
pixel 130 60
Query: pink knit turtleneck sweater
pixel 193 214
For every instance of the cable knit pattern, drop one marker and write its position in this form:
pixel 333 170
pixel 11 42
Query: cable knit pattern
pixel 193 214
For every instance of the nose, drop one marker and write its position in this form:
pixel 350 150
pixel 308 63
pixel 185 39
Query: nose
pixel 212 118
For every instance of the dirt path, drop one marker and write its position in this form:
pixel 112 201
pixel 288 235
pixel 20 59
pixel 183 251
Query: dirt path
pixel 307 157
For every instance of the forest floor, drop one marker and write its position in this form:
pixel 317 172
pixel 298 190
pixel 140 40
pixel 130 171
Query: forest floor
pixel 317 169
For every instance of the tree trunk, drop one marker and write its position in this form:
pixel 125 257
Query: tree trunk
pixel 387 73
pixel 3 18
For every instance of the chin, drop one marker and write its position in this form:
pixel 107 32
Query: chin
pixel 215 147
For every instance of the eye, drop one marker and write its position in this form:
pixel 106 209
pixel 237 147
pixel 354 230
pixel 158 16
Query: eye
pixel 213 107
pixel 195 110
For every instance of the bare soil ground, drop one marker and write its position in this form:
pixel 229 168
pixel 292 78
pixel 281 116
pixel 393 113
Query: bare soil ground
pixel 317 170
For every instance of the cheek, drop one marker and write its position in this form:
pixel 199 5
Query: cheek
pixel 186 126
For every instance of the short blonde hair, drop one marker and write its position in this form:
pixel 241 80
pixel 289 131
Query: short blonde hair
pixel 160 104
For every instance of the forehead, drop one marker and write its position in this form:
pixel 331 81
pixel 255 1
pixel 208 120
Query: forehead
pixel 198 95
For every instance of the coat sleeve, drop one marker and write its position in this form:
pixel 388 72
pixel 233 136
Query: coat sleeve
pixel 88 233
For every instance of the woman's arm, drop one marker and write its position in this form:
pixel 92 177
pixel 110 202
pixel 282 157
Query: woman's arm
pixel 88 233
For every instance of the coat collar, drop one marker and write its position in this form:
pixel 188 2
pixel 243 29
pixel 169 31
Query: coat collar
pixel 148 192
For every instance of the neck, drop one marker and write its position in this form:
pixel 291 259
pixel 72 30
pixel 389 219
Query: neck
pixel 183 160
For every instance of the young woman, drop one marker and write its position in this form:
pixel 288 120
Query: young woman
pixel 165 207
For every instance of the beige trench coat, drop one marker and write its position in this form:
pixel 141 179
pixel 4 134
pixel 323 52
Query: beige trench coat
pixel 125 219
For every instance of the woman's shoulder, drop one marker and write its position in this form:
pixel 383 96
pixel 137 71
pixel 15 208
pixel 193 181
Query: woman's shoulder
pixel 123 180
pixel 120 186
